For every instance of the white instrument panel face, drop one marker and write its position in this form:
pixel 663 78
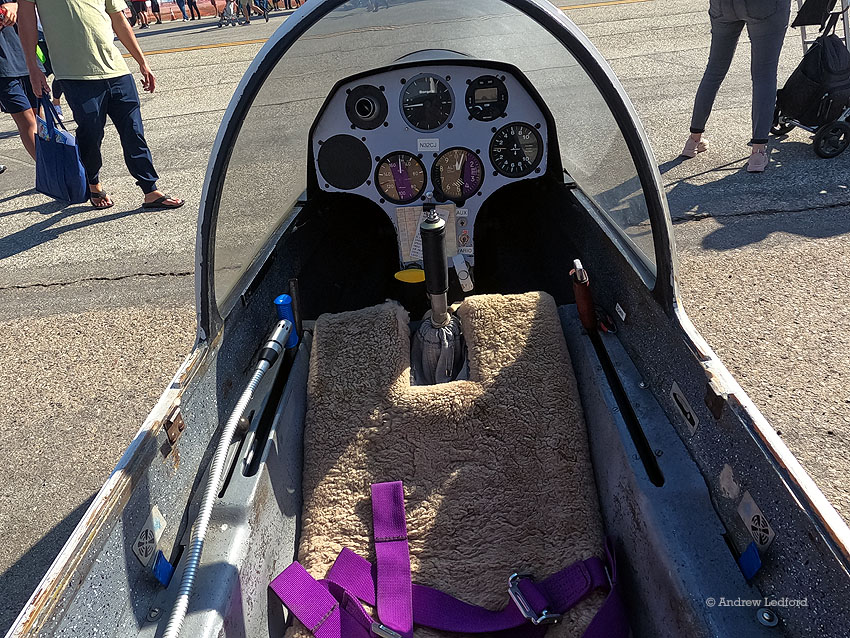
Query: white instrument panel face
pixel 444 133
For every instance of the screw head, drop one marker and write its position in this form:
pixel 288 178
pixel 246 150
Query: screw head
pixel 154 613
pixel 642 385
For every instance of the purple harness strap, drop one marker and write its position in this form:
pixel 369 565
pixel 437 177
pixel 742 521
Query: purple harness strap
pixel 394 605
pixel 438 610
pixel 316 605
pixel 331 608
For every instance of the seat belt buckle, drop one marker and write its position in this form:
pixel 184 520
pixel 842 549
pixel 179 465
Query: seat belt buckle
pixel 543 618
pixel 383 631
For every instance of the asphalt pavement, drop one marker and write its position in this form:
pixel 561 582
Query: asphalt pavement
pixel 97 307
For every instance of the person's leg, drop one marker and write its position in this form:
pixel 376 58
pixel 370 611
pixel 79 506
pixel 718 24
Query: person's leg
pixel 724 40
pixel 125 112
pixel 18 100
pixel 767 37
pixel 88 102
pixel 25 121
pixel 181 4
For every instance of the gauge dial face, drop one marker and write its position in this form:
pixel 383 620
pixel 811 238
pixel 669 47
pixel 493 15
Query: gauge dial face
pixel 516 149
pixel 458 174
pixel 427 102
pixel 400 177
pixel 486 98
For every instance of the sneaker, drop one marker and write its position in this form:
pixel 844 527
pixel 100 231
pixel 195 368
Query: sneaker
pixel 2 169
pixel 692 148
pixel 758 162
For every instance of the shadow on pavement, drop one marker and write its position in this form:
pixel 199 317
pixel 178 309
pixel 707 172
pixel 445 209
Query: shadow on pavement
pixel 19 581
pixel 736 232
pixel 43 231
pixel 728 192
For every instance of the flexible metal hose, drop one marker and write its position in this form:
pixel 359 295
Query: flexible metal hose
pixel 199 530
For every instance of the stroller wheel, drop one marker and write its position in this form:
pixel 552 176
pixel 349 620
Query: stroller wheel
pixel 831 139
pixel 780 126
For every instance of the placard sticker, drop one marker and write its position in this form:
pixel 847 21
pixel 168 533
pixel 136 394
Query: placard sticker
pixel 620 312
pixel 755 522
pixel 428 145
pixel 146 542
pixel 410 218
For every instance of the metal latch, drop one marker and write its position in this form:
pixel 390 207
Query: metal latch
pixel 174 425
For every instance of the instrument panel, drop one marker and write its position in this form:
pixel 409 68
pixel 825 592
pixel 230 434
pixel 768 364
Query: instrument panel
pixel 451 134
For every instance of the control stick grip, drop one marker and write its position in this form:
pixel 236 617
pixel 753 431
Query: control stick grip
pixel 434 260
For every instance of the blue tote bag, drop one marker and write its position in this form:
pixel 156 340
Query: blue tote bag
pixel 58 170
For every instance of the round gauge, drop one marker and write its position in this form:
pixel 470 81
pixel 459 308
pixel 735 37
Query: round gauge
pixel 344 162
pixel 486 98
pixel 400 177
pixel 366 107
pixel 426 102
pixel 516 149
pixel 457 173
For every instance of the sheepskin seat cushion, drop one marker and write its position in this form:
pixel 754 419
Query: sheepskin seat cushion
pixel 496 469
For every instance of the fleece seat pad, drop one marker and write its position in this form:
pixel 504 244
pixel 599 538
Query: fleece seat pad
pixel 496 469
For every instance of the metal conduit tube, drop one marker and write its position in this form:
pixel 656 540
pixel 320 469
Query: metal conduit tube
pixel 268 355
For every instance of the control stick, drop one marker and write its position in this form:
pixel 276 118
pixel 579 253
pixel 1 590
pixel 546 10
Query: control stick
pixel 438 354
pixel 433 231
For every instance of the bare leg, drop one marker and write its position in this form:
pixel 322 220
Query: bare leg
pixel 25 120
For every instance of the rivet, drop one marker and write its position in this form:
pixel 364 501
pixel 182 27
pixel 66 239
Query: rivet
pixel 767 617
pixel 154 613
pixel 642 385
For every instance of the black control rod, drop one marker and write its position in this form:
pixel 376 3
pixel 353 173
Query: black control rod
pixel 433 231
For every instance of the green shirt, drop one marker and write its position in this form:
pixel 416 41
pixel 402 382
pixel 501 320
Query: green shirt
pixel 79 34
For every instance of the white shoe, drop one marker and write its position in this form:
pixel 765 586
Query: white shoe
pixel 692 148
pixel 60 113
pixel 758 162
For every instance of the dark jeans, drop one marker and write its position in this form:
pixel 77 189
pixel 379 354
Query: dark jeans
pixel 193 9
pixel 766 22
pixel 91 101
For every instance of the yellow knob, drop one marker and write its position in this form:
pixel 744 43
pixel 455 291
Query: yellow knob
pixel 411 275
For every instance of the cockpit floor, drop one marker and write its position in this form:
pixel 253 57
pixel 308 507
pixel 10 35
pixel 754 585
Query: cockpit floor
pixel 496 469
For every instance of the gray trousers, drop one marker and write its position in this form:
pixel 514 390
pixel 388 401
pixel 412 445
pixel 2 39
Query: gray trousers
pixel 766 22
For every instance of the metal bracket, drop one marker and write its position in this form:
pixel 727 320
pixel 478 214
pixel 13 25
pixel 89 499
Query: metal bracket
pixel 174 425
pixel 715 399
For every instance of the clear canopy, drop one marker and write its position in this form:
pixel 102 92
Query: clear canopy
pixel 267 171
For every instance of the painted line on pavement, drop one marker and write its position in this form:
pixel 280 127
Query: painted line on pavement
pixel 219 45
pixel 203 46
pixel 608 3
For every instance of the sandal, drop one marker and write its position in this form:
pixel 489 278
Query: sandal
pixel 100 199
pixel 160 203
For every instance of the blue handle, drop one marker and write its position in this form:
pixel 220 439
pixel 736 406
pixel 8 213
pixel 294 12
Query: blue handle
pixel 283 304
pixel 51 116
